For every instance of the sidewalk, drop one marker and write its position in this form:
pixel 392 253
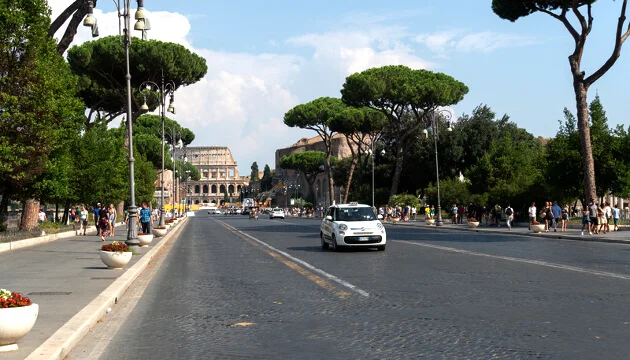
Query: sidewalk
pixel 573 231
pixel 63 277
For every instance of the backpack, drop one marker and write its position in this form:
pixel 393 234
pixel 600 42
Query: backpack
pixel 508 211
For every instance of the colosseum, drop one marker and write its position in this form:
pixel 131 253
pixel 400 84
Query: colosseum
pixel 219 175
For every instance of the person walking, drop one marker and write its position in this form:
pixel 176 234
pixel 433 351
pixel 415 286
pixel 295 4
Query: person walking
pixel 556 211
pixel 112 220
pixel 586 221
pixel 145 218
pixel 608 216
pixel 565 218
pixel 95 218
pixel 454 214
pixel 592 214
pixel 601 218
pixel 509 217
pixel 460 214
pixel 531 212
pixel 548 214
pixel 82 217
pixel 41 216
pixel 616 213
pixel 413 213
pixel 432 212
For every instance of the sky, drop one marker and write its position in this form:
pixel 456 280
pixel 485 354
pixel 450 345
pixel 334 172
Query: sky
pixel 266 57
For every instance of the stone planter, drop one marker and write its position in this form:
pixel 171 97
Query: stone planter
pixel 429 221
pixel 15 323
pixel 145 240
pixel 395 220
pixel 538 228
pixel 115 260
pixel 159 232
pixel 473 224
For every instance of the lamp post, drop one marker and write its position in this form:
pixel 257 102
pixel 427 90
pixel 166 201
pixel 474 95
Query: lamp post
pixel 372 155
pixel 124 23
pixel 164 89
pixel 174 146
pixel 434 126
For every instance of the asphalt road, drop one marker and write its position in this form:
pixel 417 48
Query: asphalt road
pixel 234 288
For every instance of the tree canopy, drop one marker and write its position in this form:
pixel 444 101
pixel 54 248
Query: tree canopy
pixel 254 174
pixel 317 115
pixel 100 65
pixel 409 99
pixel 559 9
pixel 308 163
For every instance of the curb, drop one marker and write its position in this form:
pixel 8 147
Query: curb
pixel 59 345
pixel 19 244
pixel 549 236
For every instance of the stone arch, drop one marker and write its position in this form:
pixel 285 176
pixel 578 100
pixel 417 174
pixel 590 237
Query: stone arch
pixel 238 188
pixel 196 202
pixel 214 189
pixel 205 201
pixel 222 189
pixel 205 189
pixel 231 189
pixel 197 190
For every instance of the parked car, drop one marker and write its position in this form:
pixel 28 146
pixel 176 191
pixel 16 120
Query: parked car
pixel 276 213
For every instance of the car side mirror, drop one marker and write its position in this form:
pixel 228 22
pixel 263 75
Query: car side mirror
pixel 380 217
pixel 329 218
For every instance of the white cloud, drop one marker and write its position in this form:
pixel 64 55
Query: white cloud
pixel 242 99
pixel 446 41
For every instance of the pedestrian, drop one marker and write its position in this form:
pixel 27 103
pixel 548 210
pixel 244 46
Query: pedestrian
pixel 565 217
pixel 145 218
pixel 413 213
pixel 592 213
pixel 454 210
pixel 616 215
pixel 509 217
pixel 531 212
pixel 432 212
pixel 103 221
pixel 460 214
pixel 586 221
pixel 556 211
pixel 601 218
pixel 41 216
pixel 83 218
pixel 608 215
pixel 548 215
pixel 112 220
pixel 95 217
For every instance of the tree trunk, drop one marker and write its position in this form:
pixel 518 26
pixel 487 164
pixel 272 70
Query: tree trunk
pixel 3 212
pixel 331 182
pixel 30 209
pixel 353 165
pixel 400 154
pixel 66 212
pixel 590 190
pixel 120 210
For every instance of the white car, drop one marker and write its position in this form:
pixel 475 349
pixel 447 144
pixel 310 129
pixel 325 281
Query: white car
pixel 214 212
pixel 352 225
pixel 276 213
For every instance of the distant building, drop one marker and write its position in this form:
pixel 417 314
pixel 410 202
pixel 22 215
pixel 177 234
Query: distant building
pixel 219 175
pixel 295 185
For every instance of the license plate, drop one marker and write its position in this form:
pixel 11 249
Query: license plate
pixel 364 238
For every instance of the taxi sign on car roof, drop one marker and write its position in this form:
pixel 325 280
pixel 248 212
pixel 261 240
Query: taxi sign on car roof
pixel 354 203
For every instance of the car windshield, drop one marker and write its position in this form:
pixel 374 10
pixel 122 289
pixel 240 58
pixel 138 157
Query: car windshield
pixel 277 210
pixel 355 214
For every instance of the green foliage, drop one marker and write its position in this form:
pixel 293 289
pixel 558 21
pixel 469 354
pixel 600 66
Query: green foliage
pixel 40 114
pixel 404 200
pixel 308 163
pixel 407 97
pixel 514 9
pixel 307 205
pixel 452 191
pixel 315 115
pixel 254 174
pixel 100 64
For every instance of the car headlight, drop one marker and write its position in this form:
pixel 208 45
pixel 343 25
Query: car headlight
pixel 379 225
pixel 343 227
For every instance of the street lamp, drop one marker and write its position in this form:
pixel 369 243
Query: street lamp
pixel 142 24
pixel 372 155
pixel 434 129
pixel 174 146
pixel 164 89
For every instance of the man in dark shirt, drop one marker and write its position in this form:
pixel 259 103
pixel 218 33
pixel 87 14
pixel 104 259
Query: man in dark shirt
pixel 592 213
pixel 95 214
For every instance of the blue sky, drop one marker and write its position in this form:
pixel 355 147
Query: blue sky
pixel 266 57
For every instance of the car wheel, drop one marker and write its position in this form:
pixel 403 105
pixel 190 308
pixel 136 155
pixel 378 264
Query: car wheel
pixel 324 243
pixel 333 244
pixel 381 248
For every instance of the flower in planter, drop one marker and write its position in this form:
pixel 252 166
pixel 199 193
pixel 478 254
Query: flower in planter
pixel 143 233
pixel 10 299
pixel 160 227
pixel 472 220
pixel 535 222
pixel 116 246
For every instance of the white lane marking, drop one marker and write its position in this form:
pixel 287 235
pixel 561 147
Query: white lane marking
pixel 526 261
pixel 301 262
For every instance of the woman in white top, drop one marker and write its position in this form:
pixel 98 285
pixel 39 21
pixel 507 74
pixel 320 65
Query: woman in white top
pixel 532 214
